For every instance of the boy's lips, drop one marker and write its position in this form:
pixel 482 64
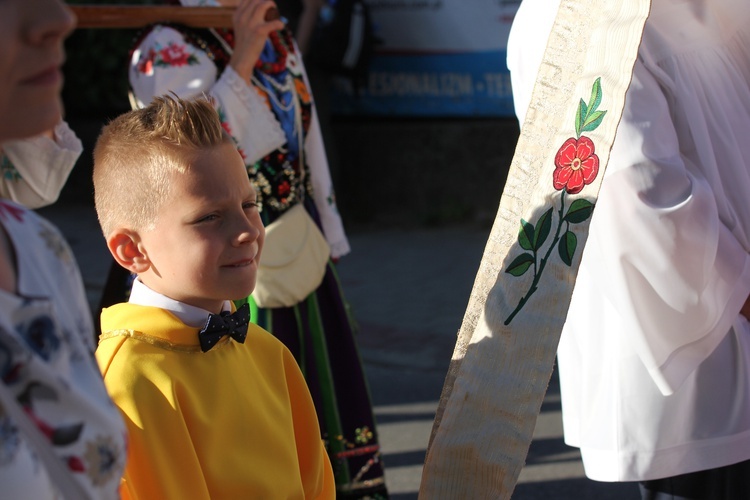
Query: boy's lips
pixel 240 263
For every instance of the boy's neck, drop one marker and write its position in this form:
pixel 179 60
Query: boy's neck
pixel 193 316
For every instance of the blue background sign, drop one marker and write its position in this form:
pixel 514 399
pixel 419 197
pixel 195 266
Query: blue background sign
pixel 438 58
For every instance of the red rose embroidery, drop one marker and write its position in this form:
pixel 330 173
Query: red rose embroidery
pixel 174 55
pixel 575 165
pixel 284 188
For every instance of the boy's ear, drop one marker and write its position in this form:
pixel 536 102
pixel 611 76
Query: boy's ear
pixel 125 247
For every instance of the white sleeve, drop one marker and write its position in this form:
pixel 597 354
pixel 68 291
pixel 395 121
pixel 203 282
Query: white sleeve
pixel 42 163
pixel 660 253
pixel 323 190
pixel 527 41
pixel 165 62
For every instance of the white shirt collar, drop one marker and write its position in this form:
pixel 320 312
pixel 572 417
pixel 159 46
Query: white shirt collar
pixel 193 316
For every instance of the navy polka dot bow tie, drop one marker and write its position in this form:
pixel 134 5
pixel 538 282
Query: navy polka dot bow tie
pixel 232 324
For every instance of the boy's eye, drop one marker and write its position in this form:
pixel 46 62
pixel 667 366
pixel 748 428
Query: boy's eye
pixel 250 205
pixel 208 218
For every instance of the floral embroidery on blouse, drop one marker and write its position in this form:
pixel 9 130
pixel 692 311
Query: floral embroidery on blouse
pixel 36 328
pixel 8 210
pixel 39 332
pixel 277 177
pixel 8 170
pixel 173 55
pixel 102 457
pixel 10 441
pixel 56 244
pixel 45 352
pixel 576 165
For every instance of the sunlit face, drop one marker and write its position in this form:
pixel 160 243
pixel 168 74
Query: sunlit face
pixel 31 57
pixel 208 234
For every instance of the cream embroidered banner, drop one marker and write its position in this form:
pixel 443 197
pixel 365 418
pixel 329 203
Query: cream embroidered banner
pixel 506 346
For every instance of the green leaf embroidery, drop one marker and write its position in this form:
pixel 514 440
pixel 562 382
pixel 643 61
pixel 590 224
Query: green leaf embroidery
pixel 579 211
pixel 525 235
pixel 593 121
pixel 596 95
pixel 520 264
pixel 567 247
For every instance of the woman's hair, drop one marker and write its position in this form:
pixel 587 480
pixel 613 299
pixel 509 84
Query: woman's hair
pixel 137 153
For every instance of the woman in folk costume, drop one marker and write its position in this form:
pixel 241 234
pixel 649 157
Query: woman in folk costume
pixel 257 80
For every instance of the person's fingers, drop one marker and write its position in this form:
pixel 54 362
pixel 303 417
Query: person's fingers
pixel 251 31
pixel 253 13
pixel 242 13
pixel 272 14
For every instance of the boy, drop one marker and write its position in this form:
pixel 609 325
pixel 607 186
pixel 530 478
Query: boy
pixel 210 414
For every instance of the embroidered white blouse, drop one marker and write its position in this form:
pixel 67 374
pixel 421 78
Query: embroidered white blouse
pixel 189 72
pixel 47 363
pixel 654 359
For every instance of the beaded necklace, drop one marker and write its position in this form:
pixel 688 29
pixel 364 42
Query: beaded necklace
pixel 282 46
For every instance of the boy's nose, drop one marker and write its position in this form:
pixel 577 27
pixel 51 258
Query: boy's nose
pixel 247 231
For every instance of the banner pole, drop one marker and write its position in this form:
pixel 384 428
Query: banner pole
pixel 139 16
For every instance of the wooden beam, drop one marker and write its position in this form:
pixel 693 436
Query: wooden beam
pixel 139 16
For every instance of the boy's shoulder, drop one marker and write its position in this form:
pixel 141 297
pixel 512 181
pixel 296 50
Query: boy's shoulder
pixel 127 316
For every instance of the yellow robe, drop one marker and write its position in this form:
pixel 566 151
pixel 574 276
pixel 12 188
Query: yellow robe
pixel 235 422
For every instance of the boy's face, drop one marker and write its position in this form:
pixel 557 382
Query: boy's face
pixel 208 234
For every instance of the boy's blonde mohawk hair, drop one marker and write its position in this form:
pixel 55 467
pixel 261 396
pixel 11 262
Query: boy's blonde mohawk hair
pixel 192 123
pixel 137 152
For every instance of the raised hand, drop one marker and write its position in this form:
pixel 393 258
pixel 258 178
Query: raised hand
pixel 253 20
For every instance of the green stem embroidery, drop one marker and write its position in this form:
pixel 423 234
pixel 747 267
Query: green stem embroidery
pixel 542 263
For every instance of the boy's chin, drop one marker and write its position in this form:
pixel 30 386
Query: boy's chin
pixel 243 293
